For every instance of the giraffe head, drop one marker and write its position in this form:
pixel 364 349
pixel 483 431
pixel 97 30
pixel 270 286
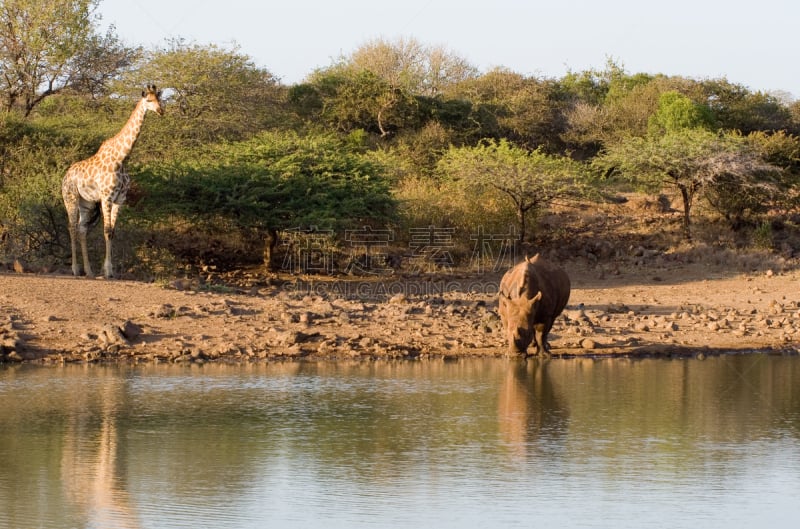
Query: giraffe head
pixel 152 100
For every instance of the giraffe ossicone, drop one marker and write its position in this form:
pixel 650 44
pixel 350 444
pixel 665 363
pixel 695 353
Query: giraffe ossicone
pixel 101 179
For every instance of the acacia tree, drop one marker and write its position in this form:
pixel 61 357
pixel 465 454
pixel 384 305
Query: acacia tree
pixel 347 99
pixel 211 92
pixel 689 160
pixel 47 46
pixel 409 65
pixel 530 179
pixel 525 110
pixel 382 87
pixel 681 151
pixel 781 150
pixel 736 107
pixel 268 183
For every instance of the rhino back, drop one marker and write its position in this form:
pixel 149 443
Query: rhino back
pixel 554 284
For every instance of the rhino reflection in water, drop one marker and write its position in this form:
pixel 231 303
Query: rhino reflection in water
pixel 532 295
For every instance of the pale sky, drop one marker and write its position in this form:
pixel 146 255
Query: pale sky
pixel 754 43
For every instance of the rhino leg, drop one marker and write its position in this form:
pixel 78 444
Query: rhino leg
pixel 540 337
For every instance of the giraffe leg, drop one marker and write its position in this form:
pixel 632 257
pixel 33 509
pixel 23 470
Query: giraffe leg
pixel 72 205
pixel 82 228
pixel 110 211
pixel 72 216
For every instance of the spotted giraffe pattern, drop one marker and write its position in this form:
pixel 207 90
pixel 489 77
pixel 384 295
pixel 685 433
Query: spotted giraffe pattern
pixel 102 179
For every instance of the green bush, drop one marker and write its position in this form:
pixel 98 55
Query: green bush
pixel 270 183
pixel 33 160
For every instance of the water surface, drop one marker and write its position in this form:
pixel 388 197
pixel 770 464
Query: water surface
pixel 474 443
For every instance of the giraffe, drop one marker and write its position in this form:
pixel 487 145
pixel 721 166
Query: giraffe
pixel 102 179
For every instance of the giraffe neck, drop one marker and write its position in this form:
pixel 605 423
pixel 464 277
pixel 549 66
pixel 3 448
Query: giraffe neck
pixel 117 148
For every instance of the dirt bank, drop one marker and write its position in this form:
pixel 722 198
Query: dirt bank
pixel 682 309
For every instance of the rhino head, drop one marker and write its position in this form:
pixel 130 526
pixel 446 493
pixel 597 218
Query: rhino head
pixel 515 314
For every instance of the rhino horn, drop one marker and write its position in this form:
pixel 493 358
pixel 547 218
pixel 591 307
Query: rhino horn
pixel 535 298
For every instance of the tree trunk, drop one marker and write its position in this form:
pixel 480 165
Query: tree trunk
pixel 385 107
pixel 270 242
pixel 688 195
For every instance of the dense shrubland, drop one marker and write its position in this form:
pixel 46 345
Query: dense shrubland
pixel 394 137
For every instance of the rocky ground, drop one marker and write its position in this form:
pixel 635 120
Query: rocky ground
pixel 655 308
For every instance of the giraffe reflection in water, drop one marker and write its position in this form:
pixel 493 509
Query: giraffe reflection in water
pixel 92 467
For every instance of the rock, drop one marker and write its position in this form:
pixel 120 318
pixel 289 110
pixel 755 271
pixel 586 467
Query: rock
pixel 14 356
pixel 181 284
pixel 20 267
pixel 618 308
pixel 588 343
pixel 398 298
pixel 327 346
pixel 295 337
pixel 11 344
pixel 575 315
pixel 131 331
pixel 355 306
pixel 288 317
pixel 111 334
pixel 164 311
